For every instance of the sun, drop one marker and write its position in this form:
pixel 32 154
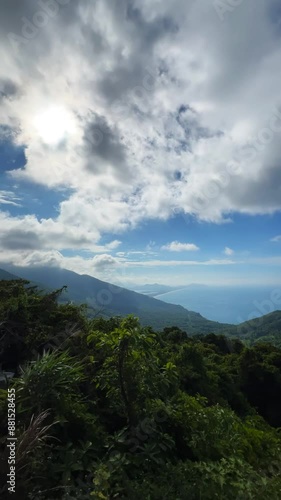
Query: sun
pixel 53 125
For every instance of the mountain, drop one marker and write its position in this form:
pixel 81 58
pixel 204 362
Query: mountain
pixel 111 300
pixel 156 290
pixel 153 289
pixel 264 329
pixel 5 275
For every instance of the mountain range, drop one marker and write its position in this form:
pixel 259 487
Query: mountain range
pixel 108 300
pixel 111 300
pixel 153 289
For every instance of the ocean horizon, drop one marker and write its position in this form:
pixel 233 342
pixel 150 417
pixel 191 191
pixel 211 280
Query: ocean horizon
pixel 227 304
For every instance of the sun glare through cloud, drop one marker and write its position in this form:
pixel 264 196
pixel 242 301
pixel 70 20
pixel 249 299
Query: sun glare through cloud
pixel 54 124
pixel 147 121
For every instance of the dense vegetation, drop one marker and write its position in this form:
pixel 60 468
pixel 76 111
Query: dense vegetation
pixel 264 329
pixel 107 409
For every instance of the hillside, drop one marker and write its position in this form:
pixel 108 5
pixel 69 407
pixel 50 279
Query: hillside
pixel 5 275
pixel 111 300
pixel 264 329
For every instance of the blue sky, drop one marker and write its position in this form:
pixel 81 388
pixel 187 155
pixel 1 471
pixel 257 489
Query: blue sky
pixel 142 144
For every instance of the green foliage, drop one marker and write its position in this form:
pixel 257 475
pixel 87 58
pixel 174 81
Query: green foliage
pixel 54 378
pixel 265 329
pixel 31 321
pixel 113 410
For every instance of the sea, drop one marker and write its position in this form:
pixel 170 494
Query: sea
pixel 227 304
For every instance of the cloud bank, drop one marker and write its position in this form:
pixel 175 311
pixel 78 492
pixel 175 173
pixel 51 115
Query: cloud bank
pixel 153 112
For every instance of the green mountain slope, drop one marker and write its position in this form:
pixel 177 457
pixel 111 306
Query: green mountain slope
pixel 5 275
pixel 264 329
pixel 111 300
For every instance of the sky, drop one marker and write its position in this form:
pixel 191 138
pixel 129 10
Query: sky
pixel 140 139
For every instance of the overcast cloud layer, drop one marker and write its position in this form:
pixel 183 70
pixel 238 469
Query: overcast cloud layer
pixel 167 107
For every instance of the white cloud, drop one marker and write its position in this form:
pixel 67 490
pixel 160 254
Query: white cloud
pixel 108 247
pixel 271 260
pixel 161 100
pixel 9 198
pixel 104 262
pixel 99 265
pixel 29 233
pixel 276 238
pixel 111 269
pixel 228 251
pixel 173 263
pixel 176 246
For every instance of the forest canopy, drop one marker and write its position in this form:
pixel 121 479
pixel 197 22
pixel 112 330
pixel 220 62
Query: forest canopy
pixel 108 409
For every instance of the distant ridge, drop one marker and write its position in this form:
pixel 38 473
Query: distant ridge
pixel 153 289
pixel 152 312
pixel 263 329
pixel 5 275
pixel 111 300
